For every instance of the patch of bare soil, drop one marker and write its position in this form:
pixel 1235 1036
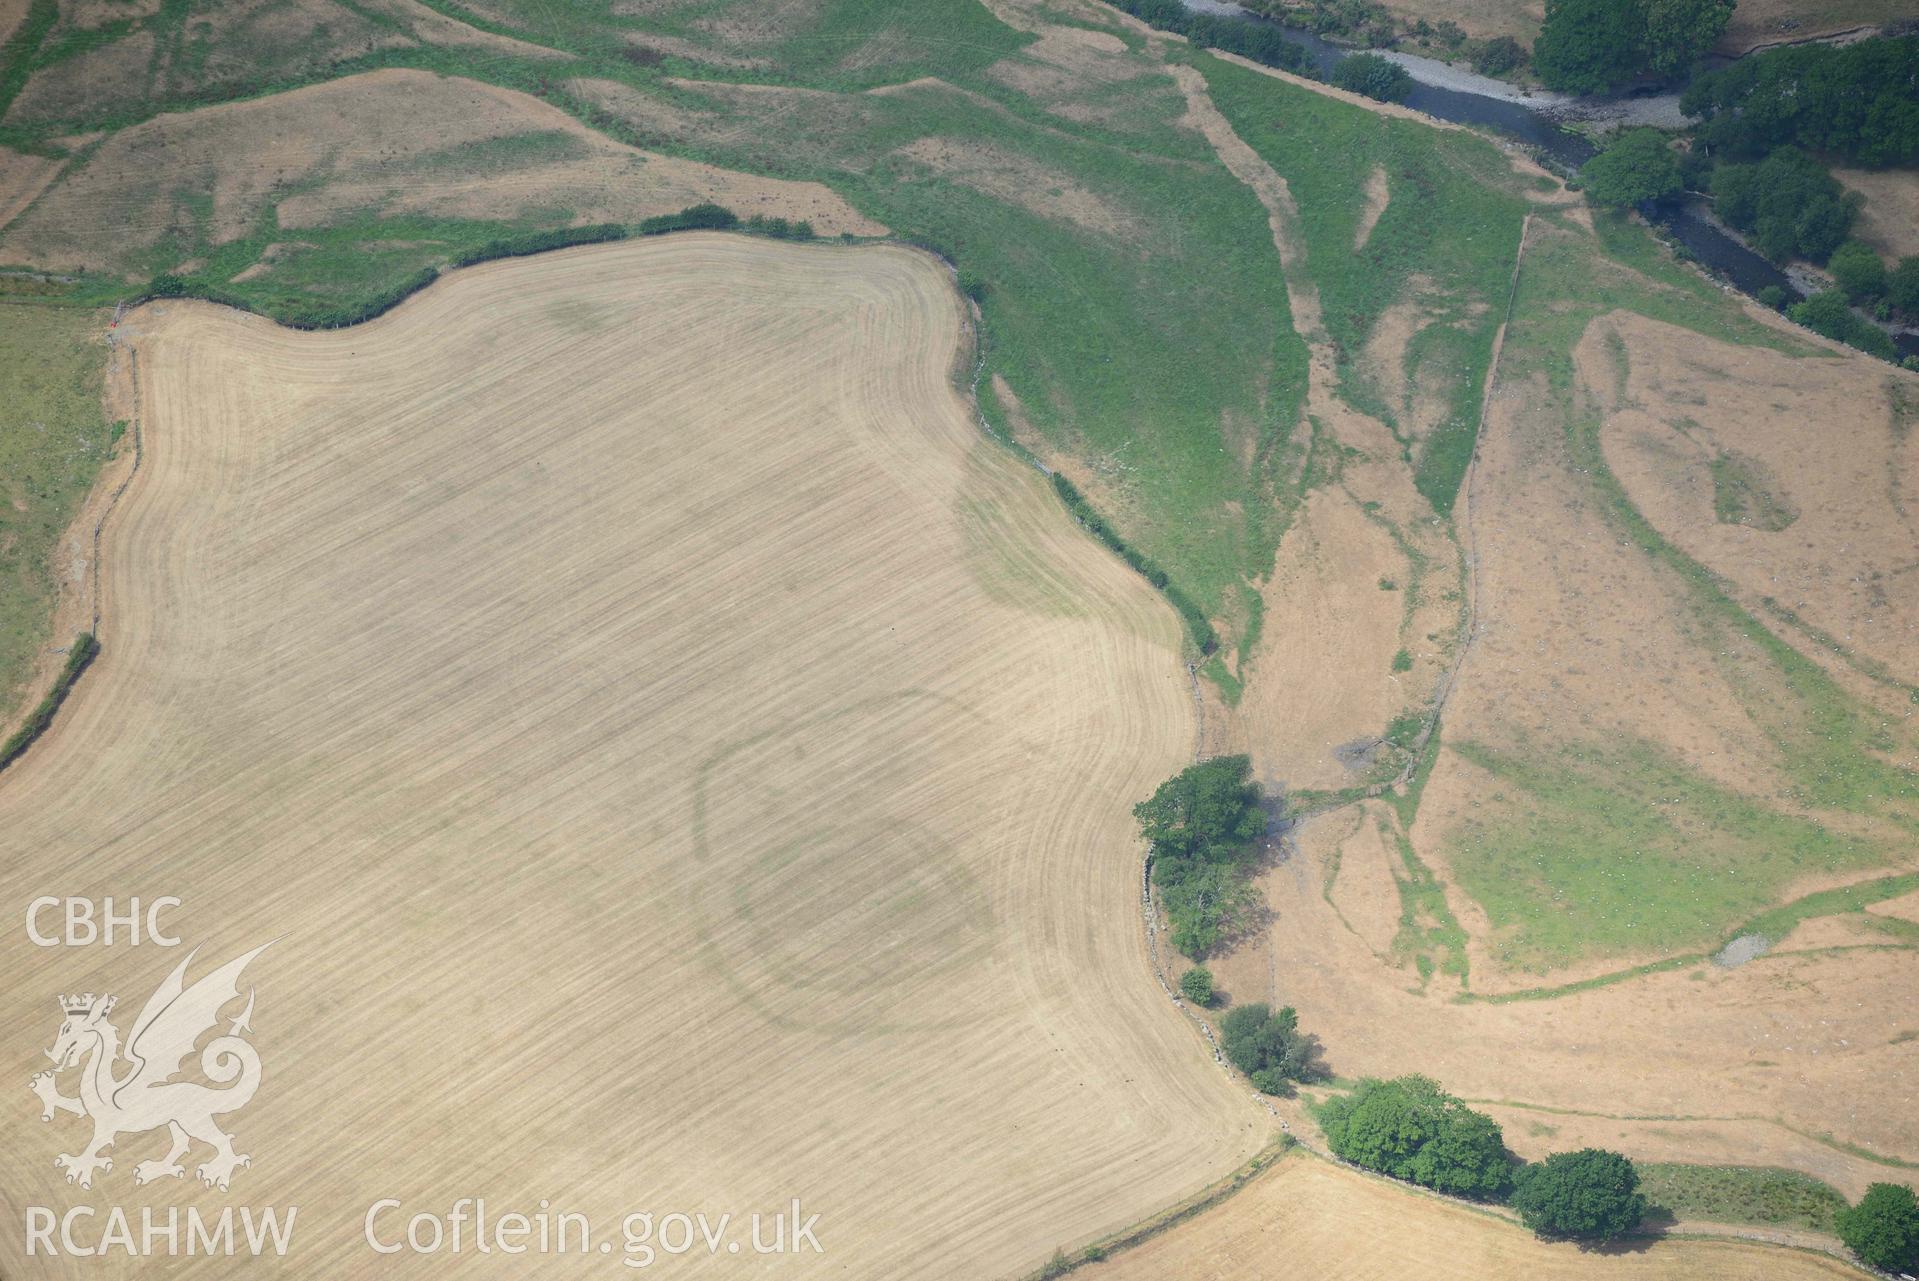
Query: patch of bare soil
pixel 1377 194
pixel 1420 401
pixel 1890 220
pixel 762 23
pixel 12 12
pixel 1040 16
pixel 1020 180
pixel 1791 478
pixel 1904 908
pixel 1758 24
pixel 1324 677
pixel 693 51
pixel 22 178
pixel 1365 878
pixel 1849 930
pixel 1072 71
pixel 108 74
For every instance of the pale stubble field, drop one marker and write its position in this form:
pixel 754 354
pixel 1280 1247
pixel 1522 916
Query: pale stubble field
pixel 682 765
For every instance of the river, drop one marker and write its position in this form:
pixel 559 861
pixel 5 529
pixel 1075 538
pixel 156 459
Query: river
pixel 1532 125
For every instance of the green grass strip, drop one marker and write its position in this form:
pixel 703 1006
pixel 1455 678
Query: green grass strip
pixel 1197 625
pixel 1763 1195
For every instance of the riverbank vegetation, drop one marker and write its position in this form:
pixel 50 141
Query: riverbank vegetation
pixel 1599 46
pixel 1374 76
pixel 1858 102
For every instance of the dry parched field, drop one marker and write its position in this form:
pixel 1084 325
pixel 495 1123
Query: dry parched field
pixel 1310 1220
pixel 682 764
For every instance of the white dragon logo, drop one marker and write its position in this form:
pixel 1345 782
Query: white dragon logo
pixel 144 1097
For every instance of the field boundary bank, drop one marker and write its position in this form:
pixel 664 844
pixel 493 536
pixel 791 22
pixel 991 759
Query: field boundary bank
pixel 80 656
pixel 1146 1229
pixel 704 217
pixel 1263 1163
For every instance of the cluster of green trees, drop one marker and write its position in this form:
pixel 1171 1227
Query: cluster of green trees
pixel 1788 203
pixel 1830 314
pixel 1196 985
pixel 1883 1229
pixel 1203 827
pixel 1197 625
pixel 1863 277
pixel 1588 1195
pixel 1596 46
pixel 1637 166
pixel 1372 75
pixel 1858 101
pixel 1411 1129
pixel 1267 1045
pixel 85 647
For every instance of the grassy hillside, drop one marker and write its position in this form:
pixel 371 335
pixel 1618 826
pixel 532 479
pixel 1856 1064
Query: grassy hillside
pixel 53 439
pixel 1135 325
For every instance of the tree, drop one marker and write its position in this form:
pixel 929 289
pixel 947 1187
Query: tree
pixel 1789 204
pixel 1205 903
pixel 1902 285
pixel 1497 56
pixel 1374 76
pixel 1856 268
pixel 1677 33
pixel 1589 1195
pixel 1827 313
pixel 1267 1046
pixel 1413 1130
pixel 1637 166
pixel 1858 101
pixel 1202 826
pixel 1196 985
pixel 1588 46
pixel 1208 812
pixel 1883 1229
